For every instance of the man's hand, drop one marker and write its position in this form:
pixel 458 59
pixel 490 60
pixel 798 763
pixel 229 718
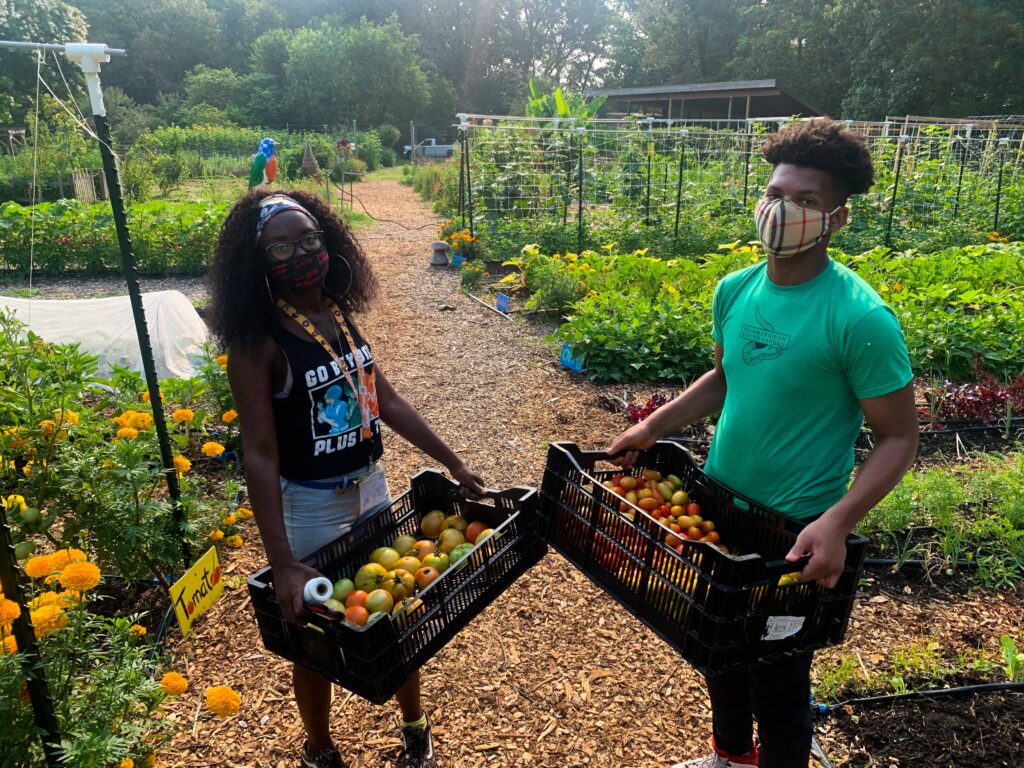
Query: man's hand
pixel 826 544
pixel 289 580
pixel 637 438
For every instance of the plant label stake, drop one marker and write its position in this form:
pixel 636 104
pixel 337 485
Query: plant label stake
pixel 571 362
pixel 198 589
pixel 501 303
pixel 458 260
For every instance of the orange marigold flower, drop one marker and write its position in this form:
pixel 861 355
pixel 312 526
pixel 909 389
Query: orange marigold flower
pixel 48 619
pixel 182 465
pixel 243 514
pixel 138 630
pixel 141 421
pixel 230 520
pixel 181 415
pixel 234 541
pixel 9 611
pixel 222 700
pixel 127 433
pixel 9 646
pixel 173 683
pixel 38 566
pixel 62 557
pixel 228 416
pixel 217 535
pixel 212 449
pixel 80 576
pixel 126 762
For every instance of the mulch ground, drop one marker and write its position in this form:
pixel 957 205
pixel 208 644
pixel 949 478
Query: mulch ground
pixel 553 674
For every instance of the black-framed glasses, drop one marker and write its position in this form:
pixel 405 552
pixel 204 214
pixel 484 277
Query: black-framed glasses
pixel 311 242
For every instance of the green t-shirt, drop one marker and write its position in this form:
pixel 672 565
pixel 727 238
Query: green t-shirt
pixel 797 361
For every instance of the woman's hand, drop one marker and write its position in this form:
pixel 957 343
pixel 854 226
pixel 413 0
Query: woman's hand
pixel 635 439
pixel 289 581
pixel 468 479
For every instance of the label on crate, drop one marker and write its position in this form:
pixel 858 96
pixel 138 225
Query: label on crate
pixel 197 590
pixel 501 303
pixel 569 361
pixel 781 627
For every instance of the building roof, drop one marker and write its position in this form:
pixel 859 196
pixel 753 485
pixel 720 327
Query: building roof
pixel 771 92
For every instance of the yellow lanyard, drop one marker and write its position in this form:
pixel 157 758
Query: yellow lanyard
pixel 361 393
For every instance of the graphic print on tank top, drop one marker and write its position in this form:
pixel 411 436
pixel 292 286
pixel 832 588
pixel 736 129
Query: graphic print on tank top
pixel 764 342
pixel 334 411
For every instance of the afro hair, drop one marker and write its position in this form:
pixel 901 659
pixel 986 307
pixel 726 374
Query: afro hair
pixel 824 144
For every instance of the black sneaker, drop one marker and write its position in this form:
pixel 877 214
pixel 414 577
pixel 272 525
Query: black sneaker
pixel 419 748
pixel 325 758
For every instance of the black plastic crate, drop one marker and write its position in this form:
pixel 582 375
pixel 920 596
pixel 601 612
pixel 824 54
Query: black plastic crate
pixel 374 661
pixel 720 611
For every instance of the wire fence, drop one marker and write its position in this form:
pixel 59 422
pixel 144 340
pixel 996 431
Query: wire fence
pixel 934 185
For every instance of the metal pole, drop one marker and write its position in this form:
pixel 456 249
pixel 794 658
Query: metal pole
pixel 895 188
pixel 462 176
pixel 412 141
pixel 89 58
pixel 1003 143
pixel 469 187
pixel 746 164
pixel 24 636
pixel 579 190
pixel 963 164
pixel 679 181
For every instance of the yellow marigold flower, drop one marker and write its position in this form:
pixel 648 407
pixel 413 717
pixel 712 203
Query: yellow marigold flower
pixel 230 520
pixel 182 414
pixel 217 535
pixel 27 469
pixel 62 557
pixel 80 576
pixel 69 598
pixel 150 761
pixel 141 421
pixel 44 598
pixel 14 503
pixel 222 361
pixel 53 578
pixel 126 762
pixel 212 449
pixel 182 465
pixel 993 237
pixel 9 646
pixel 234 541
pixel 9 611
pixel 145 397
pixel 127 433
pixel 228 416
pixel 65 416
pixel 243 514
pixel 47 619
pixel 48 427
pixel 138 630
pixel 173 683
pixel 222 700
pixel 38 566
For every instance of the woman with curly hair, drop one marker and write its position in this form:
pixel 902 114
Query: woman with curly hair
pixel 286 278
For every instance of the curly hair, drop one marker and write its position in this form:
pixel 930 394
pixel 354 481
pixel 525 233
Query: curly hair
pixel 241 309
pixel 824 144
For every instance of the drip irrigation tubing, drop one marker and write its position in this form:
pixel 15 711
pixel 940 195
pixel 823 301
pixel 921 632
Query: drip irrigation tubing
pixel 823 709
pixel 887 562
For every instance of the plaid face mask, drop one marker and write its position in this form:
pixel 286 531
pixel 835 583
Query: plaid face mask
pixel 785 229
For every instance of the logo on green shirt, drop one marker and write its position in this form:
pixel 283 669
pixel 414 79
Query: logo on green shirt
pixel 764 342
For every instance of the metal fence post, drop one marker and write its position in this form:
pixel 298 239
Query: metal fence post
pixel 579 189
pixel 746 165
pixel 895 187
pixel 1003 144
pixel 24 636
pixel 963 164
pixel 679 181
pixel 469 187
pixel 462 175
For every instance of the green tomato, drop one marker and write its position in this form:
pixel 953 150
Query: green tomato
pixel 460 552
pixel 23 549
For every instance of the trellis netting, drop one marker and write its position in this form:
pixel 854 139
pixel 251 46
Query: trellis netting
pixel 105 328
pixel 672 179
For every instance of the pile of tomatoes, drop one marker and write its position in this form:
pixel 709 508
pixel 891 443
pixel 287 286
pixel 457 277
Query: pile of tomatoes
pixel 664 499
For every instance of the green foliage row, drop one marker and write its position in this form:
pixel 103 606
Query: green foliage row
pixel 69 235
pixel 634 317
pixel 974 515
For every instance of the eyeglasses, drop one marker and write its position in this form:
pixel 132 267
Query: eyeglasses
pixel 310 242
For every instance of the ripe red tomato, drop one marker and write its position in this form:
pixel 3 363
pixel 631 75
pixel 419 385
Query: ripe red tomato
pixel 693 509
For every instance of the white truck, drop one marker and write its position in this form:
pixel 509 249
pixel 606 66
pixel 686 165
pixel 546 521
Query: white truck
pixel 428 148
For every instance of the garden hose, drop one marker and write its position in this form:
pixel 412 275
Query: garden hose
pixel 824 709
pixel 885 562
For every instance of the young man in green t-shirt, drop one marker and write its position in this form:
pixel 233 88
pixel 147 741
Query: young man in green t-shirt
pixel 804 351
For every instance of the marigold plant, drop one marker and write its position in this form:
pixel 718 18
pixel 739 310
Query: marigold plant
pixel 127 433
pixel 228 416
pixel 182 415
pixel 80 576
pixel 182 465
pixel 212 449
pixel 234 541
pixel 174 683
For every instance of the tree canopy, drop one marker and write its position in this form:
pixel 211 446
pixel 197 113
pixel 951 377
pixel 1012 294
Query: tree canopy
pixel 317 62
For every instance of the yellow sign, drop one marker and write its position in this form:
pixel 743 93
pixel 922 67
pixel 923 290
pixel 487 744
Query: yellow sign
pixel 194 593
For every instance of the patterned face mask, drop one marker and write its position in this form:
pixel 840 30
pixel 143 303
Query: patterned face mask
pixel 785 229
pixel 303 270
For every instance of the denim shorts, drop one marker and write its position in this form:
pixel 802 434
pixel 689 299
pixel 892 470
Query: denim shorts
pixel 314 517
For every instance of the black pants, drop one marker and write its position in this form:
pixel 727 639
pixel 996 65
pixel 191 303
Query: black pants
pixel 778 694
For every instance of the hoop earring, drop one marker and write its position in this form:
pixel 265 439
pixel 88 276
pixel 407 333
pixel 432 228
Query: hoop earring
pixel 351 275
pixel 270 293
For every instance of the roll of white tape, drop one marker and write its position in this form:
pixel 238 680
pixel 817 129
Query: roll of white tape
pixel 317 590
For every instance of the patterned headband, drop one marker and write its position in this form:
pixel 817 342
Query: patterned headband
pixel 275 204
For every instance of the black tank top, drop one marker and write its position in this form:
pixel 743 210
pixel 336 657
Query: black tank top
pixel 318 421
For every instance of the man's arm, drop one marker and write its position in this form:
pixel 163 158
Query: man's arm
pixel 703 398
pixel 893 422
